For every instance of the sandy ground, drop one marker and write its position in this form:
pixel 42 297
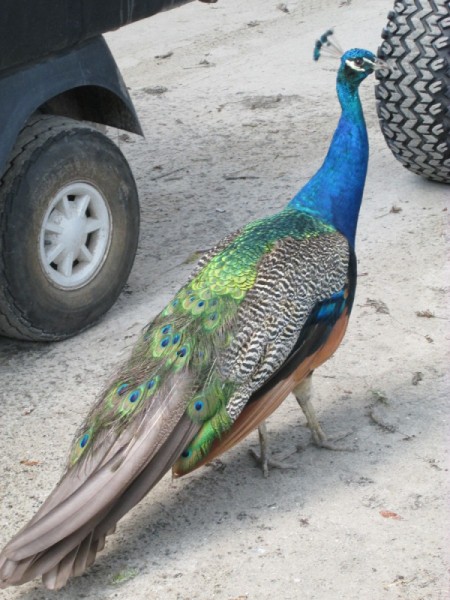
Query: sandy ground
pixel 236 119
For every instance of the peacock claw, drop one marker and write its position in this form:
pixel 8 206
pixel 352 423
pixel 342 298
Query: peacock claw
pixel 265 463
pixel 302 394
pixel 320 440
pixel 263 459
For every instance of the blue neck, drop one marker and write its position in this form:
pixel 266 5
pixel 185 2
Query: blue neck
pixel 335 192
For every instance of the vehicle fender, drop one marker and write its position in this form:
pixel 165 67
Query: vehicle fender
pixel 83 82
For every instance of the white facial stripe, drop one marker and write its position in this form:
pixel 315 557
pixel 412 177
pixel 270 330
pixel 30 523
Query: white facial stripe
pixel 352 65
pixel 369 62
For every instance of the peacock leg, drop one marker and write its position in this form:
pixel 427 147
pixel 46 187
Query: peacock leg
pixel 263 458
pixel 302 394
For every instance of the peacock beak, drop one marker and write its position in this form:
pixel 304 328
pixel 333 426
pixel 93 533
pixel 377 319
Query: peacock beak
pixel 380 65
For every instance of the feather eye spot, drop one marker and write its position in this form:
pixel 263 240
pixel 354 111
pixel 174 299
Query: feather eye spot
pixel 182 352
pixel 186 453
pixel 165 341
pixel 166 329
pixel 84 440
pixel 213 302
pixel 198 405
pixel 134 396
pixel 151 384
pixel 213 316
pixel 122 388
pixel 201 303
pixel 175 302
pixel 192 299
pixel 176 338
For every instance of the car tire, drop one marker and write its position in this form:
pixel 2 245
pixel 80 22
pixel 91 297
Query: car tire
pixel 69 228
pixel 413 97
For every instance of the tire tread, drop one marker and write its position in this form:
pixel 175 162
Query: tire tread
pixel 413 100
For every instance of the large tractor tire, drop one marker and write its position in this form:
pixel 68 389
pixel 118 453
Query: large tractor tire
pixel 413 97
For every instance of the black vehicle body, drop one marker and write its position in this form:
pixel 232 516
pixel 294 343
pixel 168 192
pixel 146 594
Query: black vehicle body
pixel 58 78
pixel 54 59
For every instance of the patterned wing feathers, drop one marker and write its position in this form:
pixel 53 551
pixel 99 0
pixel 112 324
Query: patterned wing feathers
pixel 292 278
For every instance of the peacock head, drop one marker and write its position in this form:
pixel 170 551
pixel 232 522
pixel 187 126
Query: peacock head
pixel 357 64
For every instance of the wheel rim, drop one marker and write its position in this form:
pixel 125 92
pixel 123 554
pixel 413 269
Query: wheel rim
pixel 75 235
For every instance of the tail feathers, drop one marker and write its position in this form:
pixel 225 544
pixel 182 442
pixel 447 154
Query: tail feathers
pixel 74 563
pixel 150 476
pixel 63 538
pixel 74 479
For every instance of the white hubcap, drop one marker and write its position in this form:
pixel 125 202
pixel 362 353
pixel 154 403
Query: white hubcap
pixel 75 235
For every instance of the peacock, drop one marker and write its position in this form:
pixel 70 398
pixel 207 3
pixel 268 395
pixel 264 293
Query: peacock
pixel 261 311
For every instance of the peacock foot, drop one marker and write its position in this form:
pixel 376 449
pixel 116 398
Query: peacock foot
pixel 263 458
pixel 320 439
pixel 302 394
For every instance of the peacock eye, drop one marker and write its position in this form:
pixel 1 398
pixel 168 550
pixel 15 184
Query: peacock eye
pixel 359 62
